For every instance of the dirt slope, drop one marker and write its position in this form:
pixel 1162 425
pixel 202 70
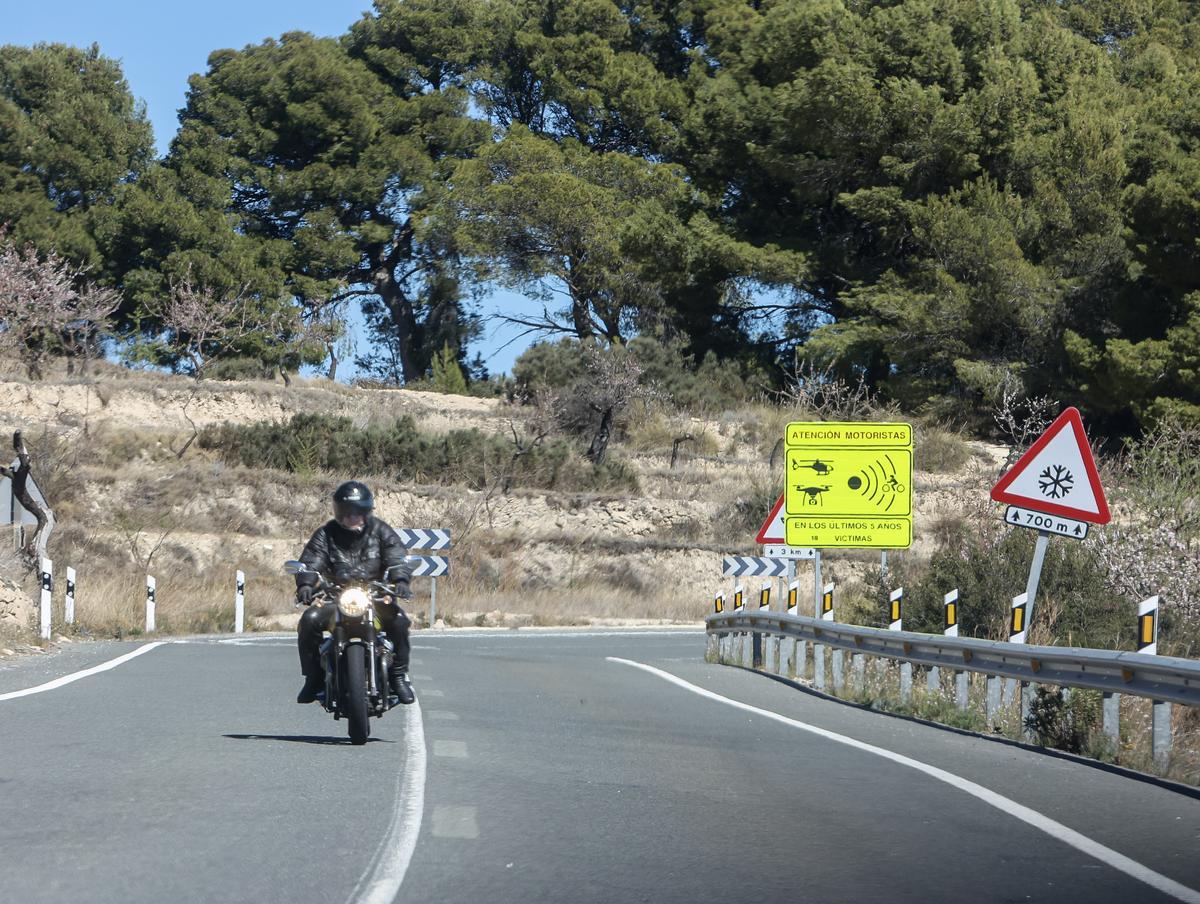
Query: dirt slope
pixel 655 553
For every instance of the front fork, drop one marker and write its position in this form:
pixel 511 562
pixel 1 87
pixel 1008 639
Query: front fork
pixel 334 647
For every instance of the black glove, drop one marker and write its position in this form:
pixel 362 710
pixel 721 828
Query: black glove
pixel 403 590
pixel 305 594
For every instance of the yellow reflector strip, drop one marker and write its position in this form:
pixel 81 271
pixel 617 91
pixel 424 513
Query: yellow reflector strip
pixel 827 602
pixel 720 604
pixel 1147 621
pixel 791 598
pixel 951 615
pixel 1018 620
pixel 895 610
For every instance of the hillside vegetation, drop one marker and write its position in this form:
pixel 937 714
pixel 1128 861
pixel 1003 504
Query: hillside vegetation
pixel 157 474
pixel 949 199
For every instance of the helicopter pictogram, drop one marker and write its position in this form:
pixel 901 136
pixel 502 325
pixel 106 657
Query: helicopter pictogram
pixel 821 467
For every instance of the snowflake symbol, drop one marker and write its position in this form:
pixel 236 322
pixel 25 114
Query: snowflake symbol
pixel 1055 481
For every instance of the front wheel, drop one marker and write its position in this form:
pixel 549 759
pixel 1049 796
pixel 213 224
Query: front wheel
pixel 357 712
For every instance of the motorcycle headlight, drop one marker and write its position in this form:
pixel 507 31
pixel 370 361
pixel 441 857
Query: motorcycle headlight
pixel 354 602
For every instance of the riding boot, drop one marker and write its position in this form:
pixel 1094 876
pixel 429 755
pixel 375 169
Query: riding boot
pixel 400 685
pixel 314 683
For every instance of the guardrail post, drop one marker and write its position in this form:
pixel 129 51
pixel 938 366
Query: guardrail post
pixel 993 698
pixel 836 665
pixel 1147 642
pixel 933 679
pixel 858 667
pixel 1161 743
pixel 1112 719
pixel 1027 692
pixel 962 690
pixel 905 681
pixel 776 658
pixel 819 666
pixel 791 668
pixel 756 650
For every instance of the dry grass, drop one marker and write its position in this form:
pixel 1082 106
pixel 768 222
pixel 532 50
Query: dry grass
pixel 881 690
pixel 113 604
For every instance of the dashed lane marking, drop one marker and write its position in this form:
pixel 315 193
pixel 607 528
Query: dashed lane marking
pixel 450 749
pixel 455 822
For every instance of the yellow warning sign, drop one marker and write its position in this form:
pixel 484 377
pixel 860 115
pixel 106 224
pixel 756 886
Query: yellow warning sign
pixel 849 484
pixel 852 482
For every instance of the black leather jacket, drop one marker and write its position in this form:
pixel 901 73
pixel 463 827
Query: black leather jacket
pixel 368 554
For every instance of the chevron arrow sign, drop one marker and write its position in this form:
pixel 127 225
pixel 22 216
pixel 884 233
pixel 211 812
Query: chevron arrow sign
pixel 424 538
pixel 429 566
pixel 752 566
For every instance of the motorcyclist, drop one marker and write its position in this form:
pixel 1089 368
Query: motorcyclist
pixel 357 545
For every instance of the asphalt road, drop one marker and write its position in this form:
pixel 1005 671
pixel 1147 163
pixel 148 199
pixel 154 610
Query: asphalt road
pixel 537 767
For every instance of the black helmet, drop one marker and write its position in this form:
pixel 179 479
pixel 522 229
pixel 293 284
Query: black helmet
pixel 352 498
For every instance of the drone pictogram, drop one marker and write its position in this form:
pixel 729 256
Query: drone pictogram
pixel 813 493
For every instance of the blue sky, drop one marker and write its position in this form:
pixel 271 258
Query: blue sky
pixel 161 44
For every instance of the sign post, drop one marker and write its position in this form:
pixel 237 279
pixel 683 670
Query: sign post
pixel 1054 488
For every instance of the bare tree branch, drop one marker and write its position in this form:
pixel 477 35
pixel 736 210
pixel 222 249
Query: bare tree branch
pixel 35 547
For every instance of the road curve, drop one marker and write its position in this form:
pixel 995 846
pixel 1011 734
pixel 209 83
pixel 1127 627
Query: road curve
pixel 537 768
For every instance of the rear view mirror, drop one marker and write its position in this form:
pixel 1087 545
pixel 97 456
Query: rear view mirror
pixel 293 566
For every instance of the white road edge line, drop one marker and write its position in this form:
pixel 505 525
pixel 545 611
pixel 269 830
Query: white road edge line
pixel 75 676
pixel 381 882
pixel 1052 828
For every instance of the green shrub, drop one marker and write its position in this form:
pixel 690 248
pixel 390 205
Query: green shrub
pixel 320 442
pixel 445 374
pixel 1065 722
pixel 1074 603
pixel 939 451
pixel 549 365
pixel 239 368
pixel 709 385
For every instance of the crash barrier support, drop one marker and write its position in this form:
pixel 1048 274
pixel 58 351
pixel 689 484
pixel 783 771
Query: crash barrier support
pixel 1165 680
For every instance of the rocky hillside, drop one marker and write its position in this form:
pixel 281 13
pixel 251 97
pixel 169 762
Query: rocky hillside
pixel 133 491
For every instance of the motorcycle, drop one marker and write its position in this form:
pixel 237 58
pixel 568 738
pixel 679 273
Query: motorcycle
pixel 356 655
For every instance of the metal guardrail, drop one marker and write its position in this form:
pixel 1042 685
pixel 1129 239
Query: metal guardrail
pixel 1160 678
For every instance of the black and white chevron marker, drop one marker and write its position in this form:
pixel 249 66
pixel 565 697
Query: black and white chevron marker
pixel 736 566
pixel 424 537
pixel 429 566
